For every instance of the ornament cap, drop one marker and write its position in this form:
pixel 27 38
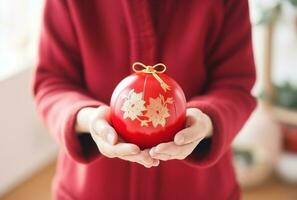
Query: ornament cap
pixel 156 69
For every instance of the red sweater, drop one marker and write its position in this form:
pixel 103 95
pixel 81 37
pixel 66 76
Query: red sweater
pixel 87 47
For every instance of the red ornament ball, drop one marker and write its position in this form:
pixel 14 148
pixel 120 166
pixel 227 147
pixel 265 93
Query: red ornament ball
pixel 148 107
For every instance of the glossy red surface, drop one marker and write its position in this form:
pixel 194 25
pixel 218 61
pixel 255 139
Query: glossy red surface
pixel 131 130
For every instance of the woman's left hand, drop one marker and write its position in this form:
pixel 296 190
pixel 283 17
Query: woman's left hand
pixel 198 127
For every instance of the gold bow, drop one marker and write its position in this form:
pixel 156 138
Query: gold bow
pixel 154 70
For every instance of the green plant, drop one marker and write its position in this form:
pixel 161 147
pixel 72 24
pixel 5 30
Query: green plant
pixel 293 2
pixel 286 96
pixel 270 15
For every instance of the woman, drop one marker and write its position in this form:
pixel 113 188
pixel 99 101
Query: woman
pixel 87 47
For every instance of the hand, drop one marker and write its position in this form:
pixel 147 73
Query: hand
pixel 109 143
pixel 198 126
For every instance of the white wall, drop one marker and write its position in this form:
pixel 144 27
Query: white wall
pixel 25 146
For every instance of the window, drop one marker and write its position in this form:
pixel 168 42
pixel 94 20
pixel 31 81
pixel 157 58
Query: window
pixel 19 34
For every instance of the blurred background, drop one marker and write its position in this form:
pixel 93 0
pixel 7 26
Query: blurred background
pixel 265 150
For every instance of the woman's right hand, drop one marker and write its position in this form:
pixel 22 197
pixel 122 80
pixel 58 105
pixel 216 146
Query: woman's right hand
pixel 97 121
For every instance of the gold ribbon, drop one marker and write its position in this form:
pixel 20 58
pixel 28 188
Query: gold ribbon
pixel 154 70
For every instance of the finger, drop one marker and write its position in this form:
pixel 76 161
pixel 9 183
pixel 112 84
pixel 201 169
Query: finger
pixel 172 150
pixel 120 149
pixel 164 151
pixel 142 158
pixel 106 137
pixel 106 141
pixel 147 157
pixel 199 126
pixel 156 163
pixel 193 116
pixel 163 157
pixel 99 124
pixel 101 129
pixel 123 149
pixel 189 135
pixel 103 112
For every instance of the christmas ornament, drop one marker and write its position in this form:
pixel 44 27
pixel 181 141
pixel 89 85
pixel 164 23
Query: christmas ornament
pixel 148 107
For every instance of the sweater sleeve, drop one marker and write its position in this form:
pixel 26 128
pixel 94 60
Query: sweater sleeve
pixel 58 84
pixel 227 99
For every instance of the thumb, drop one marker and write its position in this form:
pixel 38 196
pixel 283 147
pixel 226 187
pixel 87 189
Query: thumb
pixel 193 130
pixel 100 127
pixel 103 131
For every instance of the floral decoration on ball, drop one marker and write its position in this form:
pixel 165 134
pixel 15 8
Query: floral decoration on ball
pixel 156 112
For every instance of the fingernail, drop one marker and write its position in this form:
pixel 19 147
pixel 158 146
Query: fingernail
pixel 110 138
pixel 180 139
